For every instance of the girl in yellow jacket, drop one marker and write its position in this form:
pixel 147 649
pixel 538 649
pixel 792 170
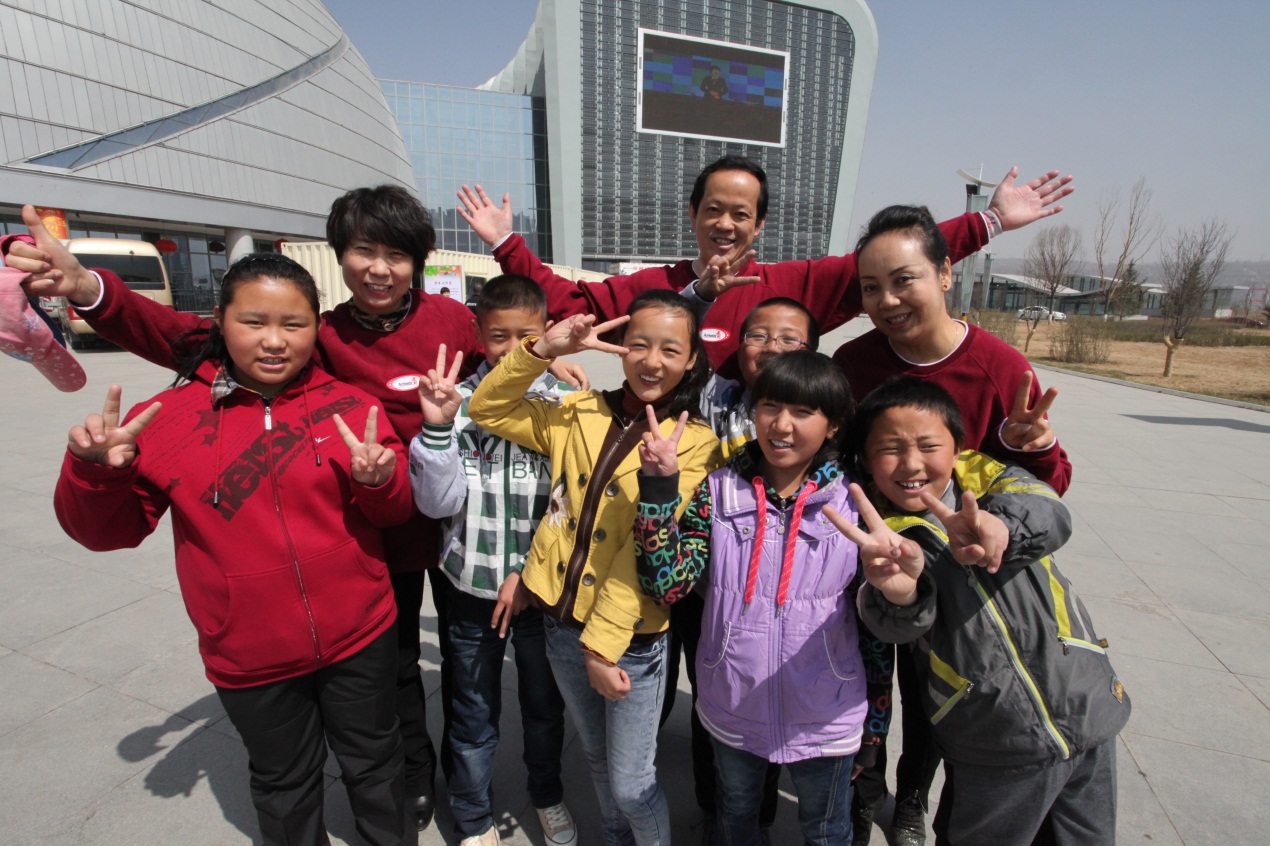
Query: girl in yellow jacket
pixel 605 638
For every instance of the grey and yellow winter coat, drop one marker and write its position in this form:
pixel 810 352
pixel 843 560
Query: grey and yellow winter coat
pixel 1011 669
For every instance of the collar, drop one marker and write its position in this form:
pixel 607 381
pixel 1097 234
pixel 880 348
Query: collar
pixel 224 384
pixel 383 323
pixel 746 464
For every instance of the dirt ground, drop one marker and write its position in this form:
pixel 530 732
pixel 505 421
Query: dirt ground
pixel 1240 373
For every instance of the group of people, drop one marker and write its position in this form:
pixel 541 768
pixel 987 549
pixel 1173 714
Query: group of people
pixel 780 516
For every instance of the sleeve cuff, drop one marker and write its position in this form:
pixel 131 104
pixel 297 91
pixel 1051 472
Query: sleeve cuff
pixel 658 489
pixel 436 436
pixel 101 293
pixel 501 241
pixel 993 222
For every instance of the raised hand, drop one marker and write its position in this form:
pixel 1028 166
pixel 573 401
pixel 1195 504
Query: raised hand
pixel 55 272
pixel 490 223
pixel 975 537
pixel 1027 428
pixel 720 275
pixel 576 333
pixel 372 463
pixel 1018 205
pixel 891 563
pixel 659 456
pixel 102 440
pixel 438 395
pixel 571 372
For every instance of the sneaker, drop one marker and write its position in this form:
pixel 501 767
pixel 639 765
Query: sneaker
pixel 861 821
pixel 557 825
pixel 489 838
pixel 908 824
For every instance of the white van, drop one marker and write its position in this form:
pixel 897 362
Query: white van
pixel 138 263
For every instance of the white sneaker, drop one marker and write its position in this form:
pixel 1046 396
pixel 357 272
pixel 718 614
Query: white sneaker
pixel 557 825
pixel 489 838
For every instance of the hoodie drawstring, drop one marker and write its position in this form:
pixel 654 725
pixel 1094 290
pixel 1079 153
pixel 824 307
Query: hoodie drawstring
pixel 787 560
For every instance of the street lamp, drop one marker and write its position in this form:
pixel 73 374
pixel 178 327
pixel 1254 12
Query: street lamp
pixel 975 202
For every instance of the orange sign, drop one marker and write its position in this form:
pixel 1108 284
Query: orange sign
pixel 54 221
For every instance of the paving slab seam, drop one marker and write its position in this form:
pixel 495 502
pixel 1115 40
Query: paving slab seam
pixel 1177 742
pixel 1159 800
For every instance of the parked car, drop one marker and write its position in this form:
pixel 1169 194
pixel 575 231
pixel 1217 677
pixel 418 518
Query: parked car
pixel 137 263
pixel 1247 322
pixel 1040 313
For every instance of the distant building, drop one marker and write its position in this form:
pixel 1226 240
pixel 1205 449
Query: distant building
pixel 599 124
pixel 216 128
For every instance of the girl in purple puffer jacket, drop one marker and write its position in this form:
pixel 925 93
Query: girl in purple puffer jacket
pixel 779 670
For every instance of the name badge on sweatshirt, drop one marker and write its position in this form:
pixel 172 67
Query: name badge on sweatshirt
pixel 715 334
pixel 408 382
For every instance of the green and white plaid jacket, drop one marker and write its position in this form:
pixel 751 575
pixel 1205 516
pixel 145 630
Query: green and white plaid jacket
pixel 489 493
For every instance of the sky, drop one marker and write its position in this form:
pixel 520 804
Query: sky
pixel 1176 93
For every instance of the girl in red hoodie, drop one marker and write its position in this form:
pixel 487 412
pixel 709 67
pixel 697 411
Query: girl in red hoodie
pixel 276 506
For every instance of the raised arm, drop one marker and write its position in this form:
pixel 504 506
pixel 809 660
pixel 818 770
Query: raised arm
pixel 138 324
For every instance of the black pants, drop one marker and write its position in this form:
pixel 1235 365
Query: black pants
pixel 685 633
pixel 412 709
pixel 286 726
pixel 919 759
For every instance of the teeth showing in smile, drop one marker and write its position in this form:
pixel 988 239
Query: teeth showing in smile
pixel 782 444
pixel 911 486
pixel 651 380
pixel 895 321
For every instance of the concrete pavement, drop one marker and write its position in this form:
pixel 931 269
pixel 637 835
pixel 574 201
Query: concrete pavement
pixel 110 734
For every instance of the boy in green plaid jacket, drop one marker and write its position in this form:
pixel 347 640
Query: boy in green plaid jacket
pixel 491 493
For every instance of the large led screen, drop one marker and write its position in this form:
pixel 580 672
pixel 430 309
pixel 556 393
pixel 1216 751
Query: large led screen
pixel 711 89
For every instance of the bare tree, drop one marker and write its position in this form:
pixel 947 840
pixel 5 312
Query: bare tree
pixel 1125 244
pixel 1049 260
pixel 1191 263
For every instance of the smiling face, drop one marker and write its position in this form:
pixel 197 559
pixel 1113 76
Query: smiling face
pixel 910 450
pixel 660 344
pixel 377 275
pixel 269 329
pixel 903 293
pixel 776 322
pixel 501 329
pixel 726 221
pixel 789 435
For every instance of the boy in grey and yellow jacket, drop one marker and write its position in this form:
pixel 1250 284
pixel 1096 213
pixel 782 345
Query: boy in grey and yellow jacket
pixel 1024 704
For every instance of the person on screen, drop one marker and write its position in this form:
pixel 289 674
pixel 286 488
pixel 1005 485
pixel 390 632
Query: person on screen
pixel 714 86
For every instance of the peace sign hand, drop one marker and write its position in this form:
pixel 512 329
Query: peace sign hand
pixel 372 463
pixel 1027 429
pixel 720 275
pixel 891 563
pixel 975 537
pixel 438 395
pixel 102 440
pixel 576 333
pixel 659 456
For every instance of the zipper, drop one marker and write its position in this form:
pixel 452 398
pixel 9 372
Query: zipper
pixel 1066 642
pixel 295 558
pixel 1019 668
pixel 962 692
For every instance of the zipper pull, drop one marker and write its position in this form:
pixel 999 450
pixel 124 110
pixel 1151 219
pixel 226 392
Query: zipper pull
pixel 1063 641
pixel 268 418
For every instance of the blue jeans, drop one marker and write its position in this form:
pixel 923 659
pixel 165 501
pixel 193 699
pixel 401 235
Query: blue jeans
pixel 823 786
pixel 619 738
pixel 476 661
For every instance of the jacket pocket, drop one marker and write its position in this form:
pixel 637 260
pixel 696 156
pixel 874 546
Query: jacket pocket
pixel 710 660
pixel 945 688
pixel 821 675
pixel 348 594
pixel 265 624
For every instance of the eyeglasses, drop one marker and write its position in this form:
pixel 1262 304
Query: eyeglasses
pixel 783 342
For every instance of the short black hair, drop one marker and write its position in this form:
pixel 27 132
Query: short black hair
pixel 385 214
pixel 686 396
pixel 916 219
pixel 814 380
pixel 903 392
pixel 813 325
pixel 512 291
pixel 731 163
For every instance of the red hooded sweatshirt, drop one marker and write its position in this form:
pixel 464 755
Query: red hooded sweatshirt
pixel 278 554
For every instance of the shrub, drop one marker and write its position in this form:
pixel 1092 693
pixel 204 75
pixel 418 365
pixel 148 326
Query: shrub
pixel 1003 324
pixel 1081 340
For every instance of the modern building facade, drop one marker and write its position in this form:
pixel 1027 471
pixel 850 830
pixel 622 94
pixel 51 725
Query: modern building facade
pixel 621 118
pixel 219 127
